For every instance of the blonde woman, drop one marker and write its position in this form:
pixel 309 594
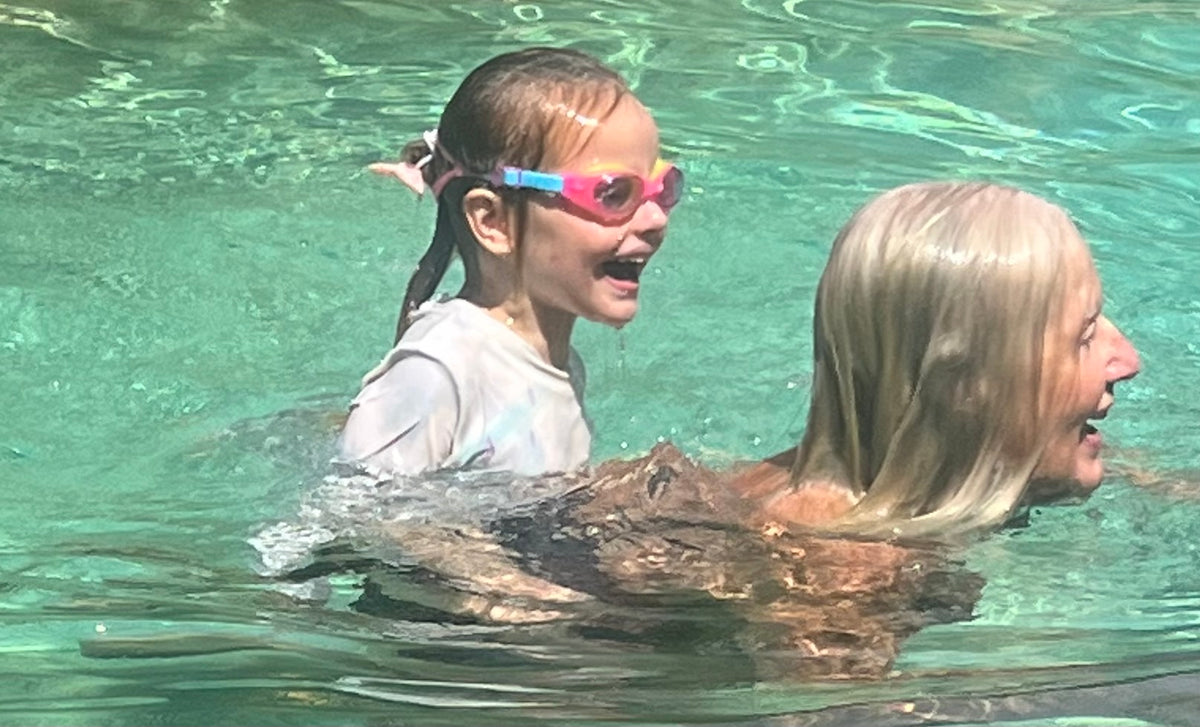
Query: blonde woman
pixel 961 358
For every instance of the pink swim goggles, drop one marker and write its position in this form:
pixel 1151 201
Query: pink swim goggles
pixel 606 195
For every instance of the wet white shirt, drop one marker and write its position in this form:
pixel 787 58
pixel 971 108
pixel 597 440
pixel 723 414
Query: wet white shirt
pixel 463 391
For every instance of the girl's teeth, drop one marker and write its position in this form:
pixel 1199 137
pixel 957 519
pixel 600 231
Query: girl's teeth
pixel 625 268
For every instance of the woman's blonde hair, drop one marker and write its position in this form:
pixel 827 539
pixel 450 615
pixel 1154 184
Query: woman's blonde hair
pixel 929 334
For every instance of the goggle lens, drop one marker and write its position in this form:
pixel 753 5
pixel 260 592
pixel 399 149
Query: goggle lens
pixel 620 195
pixel 672 188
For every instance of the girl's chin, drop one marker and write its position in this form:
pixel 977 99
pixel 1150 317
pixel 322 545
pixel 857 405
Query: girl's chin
pixel 615 316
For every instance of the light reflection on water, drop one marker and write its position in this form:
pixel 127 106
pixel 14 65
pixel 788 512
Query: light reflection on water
pixel 188 248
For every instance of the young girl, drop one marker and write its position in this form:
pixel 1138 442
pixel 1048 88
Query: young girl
pixel 548 183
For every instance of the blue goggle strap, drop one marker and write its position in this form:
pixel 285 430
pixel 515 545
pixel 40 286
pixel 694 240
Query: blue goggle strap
pixel 527 179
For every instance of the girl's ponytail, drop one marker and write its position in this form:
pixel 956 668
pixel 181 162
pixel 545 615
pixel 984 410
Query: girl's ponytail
pixel 422 154
pixel 429 270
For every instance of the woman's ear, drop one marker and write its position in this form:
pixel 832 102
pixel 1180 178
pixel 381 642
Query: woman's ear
pixel 487 217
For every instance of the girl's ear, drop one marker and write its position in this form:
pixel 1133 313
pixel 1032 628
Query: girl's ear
pixel 487 217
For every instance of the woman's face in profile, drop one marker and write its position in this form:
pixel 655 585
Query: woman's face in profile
pixel 1085 355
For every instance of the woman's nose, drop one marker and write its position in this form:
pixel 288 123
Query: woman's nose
pixel 1124 362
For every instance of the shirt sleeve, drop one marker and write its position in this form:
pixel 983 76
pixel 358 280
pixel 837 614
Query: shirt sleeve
pixel 403 422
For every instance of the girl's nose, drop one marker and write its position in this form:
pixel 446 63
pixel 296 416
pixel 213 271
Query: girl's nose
pixel 650 216
pixel 1124 363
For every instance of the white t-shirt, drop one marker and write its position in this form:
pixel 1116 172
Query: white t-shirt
pixel 463 391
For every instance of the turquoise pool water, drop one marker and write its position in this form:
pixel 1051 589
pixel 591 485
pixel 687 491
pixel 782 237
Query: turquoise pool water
pixel 194 270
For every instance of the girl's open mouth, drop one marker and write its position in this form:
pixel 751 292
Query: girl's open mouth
pixel 626 269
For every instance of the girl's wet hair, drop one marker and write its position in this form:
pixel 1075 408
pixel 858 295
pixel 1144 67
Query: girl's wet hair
pixel 931 321
pixel 530 108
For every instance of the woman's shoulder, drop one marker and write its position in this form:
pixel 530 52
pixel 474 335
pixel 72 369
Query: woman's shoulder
pixel 777 501
pixel 667 481
pixel 756 479
pixel 810 504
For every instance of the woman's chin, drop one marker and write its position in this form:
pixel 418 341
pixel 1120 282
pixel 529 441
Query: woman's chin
pixel 1049 490
pixel 1089 473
